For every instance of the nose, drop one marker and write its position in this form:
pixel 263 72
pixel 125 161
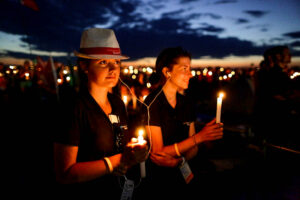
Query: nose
pixel 112 66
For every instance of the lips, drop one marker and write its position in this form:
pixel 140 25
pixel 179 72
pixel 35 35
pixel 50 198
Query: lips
pixel 110 77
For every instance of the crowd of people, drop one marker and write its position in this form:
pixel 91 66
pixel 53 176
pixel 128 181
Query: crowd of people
pixel 91 111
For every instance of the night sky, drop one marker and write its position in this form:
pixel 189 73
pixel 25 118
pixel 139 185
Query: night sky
pixel 215 30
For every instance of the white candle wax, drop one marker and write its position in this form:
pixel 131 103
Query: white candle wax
pixel 219 106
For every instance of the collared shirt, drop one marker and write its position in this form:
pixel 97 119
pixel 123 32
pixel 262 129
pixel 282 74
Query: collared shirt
pixel 174 122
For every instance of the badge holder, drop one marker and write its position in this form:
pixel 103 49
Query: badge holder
pixel 186 171
pixel 128 188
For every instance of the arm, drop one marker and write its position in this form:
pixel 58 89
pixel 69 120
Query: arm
pixel 194 150
pixel 211 131
pixel 68 170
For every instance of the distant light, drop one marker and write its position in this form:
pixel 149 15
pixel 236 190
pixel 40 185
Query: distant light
pixel 149 70
pixel 135 71
pixel 15 71
pixel 193 73
pixel 144 69
pixel 233 72
pixel 59 80
pixel 126 71
pixel 148 85
pixel 7 71
pixel 65 71
pixel 68 78
pixel 205 71
pixel 221 69
pixel 131 71
pixel 133 76
pixel 27 74
pixel 225 77
pixel 130 67
pixel 12 67
pixel 229 75
pixel 220 78
pixel 75 68
pixel 210 73
pixel 198 72
pixel 144 97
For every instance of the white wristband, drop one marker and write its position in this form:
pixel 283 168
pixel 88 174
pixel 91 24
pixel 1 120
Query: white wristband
pixel 110 167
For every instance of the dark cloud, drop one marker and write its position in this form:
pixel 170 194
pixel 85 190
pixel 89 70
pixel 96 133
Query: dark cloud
pixel 256 13
pixel 210 28
pixel 295 44
pixel 225 1
pixel 293 34
pixel 241 21
pixel 186 1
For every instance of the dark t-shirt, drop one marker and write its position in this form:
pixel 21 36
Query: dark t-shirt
pixel 174 124
pixel 89 128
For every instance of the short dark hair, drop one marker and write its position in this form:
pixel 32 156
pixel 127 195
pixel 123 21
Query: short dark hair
pixel 168 57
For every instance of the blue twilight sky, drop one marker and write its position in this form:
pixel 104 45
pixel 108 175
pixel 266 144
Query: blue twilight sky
pixel 214 31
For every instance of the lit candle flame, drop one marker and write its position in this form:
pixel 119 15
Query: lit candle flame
pixel 221 95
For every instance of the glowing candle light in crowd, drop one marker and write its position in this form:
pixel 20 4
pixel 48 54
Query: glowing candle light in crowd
pixel 59 81
pixel 68 78
pixel 65 71
pixel 148 85
pixel 219 105
pixel 125 100
pixel 27 75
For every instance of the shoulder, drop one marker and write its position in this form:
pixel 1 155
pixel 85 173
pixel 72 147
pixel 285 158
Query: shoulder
pixel 115 99
pixel 154 94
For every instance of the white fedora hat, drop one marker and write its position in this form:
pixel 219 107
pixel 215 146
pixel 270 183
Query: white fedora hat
pixel 99 43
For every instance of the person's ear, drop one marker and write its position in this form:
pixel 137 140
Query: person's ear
pixel 166 72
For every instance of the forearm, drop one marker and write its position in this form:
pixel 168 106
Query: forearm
pixel 87 171
pixel 183 147
pixel 191 153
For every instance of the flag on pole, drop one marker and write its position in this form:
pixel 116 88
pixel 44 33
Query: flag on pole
pixel 53 69
pixel 30 4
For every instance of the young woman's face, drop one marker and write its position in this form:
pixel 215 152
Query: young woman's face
pixel 181 73
pixel 104 72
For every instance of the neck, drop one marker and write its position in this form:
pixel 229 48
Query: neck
pixel 170 90
pixel 99 94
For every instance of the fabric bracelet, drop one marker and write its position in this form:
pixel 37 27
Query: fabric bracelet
pixel 176 149
pixel 110 167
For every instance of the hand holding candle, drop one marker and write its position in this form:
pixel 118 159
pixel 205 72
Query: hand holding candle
pixel 140 141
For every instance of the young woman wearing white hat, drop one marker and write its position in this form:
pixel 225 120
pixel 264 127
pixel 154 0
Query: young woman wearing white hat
pixel 92 149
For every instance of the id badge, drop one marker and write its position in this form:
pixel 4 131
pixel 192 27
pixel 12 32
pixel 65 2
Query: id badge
pixel 127 190
pixel 186 171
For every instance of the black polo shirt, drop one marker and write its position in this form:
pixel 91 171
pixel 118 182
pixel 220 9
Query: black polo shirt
pixel 174 122
pixel 89 128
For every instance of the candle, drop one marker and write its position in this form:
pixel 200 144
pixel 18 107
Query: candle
pixel 219 105
pixel 140 141
pixel 142 164
pixel 125 100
